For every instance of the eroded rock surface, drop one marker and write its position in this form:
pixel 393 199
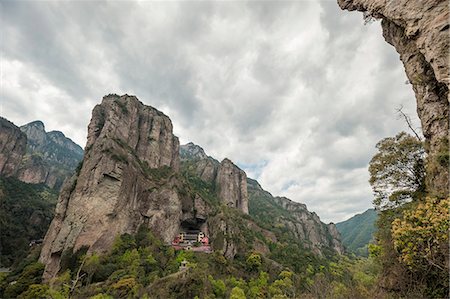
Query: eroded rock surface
pixel 419 31
pixel 230 181
pixel 235 190
pixel 35 156
pixel 12 147
pixel 128 179
pixel 303 225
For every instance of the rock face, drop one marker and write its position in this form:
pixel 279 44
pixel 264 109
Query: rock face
pixel 35 156
pixel 191 151
pixel 303 225
pixel 231 184
pixel 51 157
pixel 235 190
pixel 419 31
pixel 128 179
pixel 12 147
pixel 230 181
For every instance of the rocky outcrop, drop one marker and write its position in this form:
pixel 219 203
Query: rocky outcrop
pixel 282 213
pixel 335 238
pixel 35 156
pixel 229 180
pixel 128 179
pixel 235 190
pixel 231 234
pixel 12 147
pixel 205 166
pixel 419 31
pixel 191 151
pixel 231 184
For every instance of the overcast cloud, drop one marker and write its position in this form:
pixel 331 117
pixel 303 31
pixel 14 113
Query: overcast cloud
pixel 296 93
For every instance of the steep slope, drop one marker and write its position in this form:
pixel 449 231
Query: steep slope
pixel 12 147
pixel 25 214
pixel 419 31
pixel 130 178
pixel 287 219
pixel 51 157
pixel 35 156
pixel 229 181
pixel 292 220
pixel 127 179
pixel 358 231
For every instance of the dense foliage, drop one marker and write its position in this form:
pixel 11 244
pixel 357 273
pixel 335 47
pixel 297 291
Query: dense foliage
pixel 421 238
pixel 25 214
pixel 141 266
pixel 397 171
pixel 357 232
pixel 412 238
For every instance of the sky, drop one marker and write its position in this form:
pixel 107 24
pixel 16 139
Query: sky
pixel 297 93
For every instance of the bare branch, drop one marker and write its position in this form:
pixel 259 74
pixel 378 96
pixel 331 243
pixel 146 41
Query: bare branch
pixel 407 120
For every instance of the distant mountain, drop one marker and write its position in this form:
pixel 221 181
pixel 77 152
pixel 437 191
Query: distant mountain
pixel 33 155
pixel 358 231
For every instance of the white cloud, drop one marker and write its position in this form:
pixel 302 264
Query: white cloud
pixel 297 93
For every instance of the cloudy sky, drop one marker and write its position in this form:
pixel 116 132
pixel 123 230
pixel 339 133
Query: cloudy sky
pixel 297 93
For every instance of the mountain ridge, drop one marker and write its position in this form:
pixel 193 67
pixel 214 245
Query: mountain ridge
pixel 357 231
pixel 35 156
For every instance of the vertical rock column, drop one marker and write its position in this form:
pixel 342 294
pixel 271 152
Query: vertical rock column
pixel 231 183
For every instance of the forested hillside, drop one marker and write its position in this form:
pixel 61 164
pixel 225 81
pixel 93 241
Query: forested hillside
pixel 357 232
pixel 25 214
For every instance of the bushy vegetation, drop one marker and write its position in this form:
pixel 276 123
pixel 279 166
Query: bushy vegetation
pixel 141 266
pixel 412 238
pixel 25 214
pixel 409 258
pixel 397 171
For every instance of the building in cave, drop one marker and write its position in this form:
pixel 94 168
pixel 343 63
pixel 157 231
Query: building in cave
pixel 192 237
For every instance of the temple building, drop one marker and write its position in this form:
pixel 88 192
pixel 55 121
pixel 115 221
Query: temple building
pixel 194 240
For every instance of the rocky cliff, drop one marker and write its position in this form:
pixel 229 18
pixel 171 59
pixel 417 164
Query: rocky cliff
pixel 12 147
pixel 230 181
pixel 51 157
pixel 271 213
pixel 131 177
pixel 285 216
pixel 128 178
pixel 35 156
pixel 419 31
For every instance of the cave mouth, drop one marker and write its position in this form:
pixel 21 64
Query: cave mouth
pixel 193 225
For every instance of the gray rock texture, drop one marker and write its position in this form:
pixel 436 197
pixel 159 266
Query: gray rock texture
pixel 128 179
pixel 419 31
pixel 12 147
pixel 35 156
pixel 230 181
pixel 303 225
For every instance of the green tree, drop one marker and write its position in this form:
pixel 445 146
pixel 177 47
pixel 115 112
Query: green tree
pixel 254 262
pixel 218 286
pixel 397 172
pixel 421 236
pixel 237 293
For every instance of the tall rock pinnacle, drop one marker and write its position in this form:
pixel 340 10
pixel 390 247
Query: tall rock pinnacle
pixel 127 179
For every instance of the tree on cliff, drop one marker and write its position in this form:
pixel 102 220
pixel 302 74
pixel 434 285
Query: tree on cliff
pixel 397 172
